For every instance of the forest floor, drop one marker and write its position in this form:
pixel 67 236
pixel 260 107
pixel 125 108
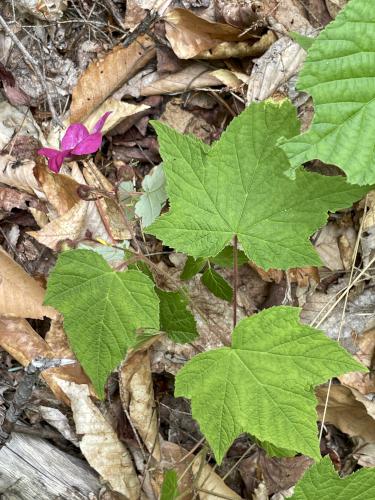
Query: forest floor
pixel 195 69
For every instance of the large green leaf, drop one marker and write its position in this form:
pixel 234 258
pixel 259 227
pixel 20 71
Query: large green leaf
pixel 322 482
pixel 238 187
pixel 339 73
pixel 102 310
pixel 264 383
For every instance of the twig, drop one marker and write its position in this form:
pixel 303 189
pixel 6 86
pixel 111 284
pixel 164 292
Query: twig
pixel 29 58
pixel 24 391
pixel 143 27
pixel 115 13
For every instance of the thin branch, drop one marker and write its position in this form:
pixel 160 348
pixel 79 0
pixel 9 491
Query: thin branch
pixel 29 58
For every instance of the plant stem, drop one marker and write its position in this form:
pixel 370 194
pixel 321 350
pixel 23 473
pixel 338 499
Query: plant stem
pixel 235 279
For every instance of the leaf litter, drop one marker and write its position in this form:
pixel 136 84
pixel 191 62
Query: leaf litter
pixel 242 53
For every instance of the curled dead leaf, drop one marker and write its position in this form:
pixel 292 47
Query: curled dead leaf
pixel 21 296
pixel 192 77
pixel 226 50
pixel 100 444
pixel 104 76
pixel 23 343
pixel 189 35
pixel 19 174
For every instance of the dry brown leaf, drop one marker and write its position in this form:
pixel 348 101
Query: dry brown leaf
pixel 104 76
pixel 363 382
pixel 334 6
pixel 189 35
pixel 100 444
pixel 228 78
pixel 112 216
pixel 137 397
pixel 60 190
pixel 192 77
pixel 365 453
pixel 12 198
pixel 227 50
pixel 185 122
pixel 23 343
pixel 239 14
pixel 346 413
pixel 19 174
pixel 21 296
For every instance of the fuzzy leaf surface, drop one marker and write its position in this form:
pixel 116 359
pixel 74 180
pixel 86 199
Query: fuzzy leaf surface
pixel 322 481
pixel 263 384
pixel 238 186
pixel 102 309
pixel 169 488
pixel 339 74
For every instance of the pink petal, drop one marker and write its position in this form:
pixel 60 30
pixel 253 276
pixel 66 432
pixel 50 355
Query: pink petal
pixel 99 124
pixel 48 152
pixel 74 134
pixel 89 145
pixel 55 163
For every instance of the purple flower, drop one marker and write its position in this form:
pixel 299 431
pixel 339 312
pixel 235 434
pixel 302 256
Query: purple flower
pixel 76 141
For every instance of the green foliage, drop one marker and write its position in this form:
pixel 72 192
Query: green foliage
pixel 238 186
pixel 217 284
pixel 169 488
pixel 149 206
pixel 225 258
pixel 264 383
pixel 339 74
pixel 192 267
pixel 102 310
pixel 303 41
pixel 321 481
pixel 175 318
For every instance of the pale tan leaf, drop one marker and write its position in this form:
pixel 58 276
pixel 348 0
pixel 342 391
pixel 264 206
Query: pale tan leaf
pixel 72 226
pixel 19 174
pixel 119 112
pixel 228 78
pixel 17 121
pixel 226 50
pixel 334 6
pixel 346 413
pixel 104 76
pixel 209 484
pixel 21 296
pixel 110 211
pixel 23 343
pixel 100 444
pixel 193 76
pixel 137 397
pixel 190 35
pixel 59 421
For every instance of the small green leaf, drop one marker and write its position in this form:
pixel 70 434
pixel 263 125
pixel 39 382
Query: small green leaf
pixel 303 41
pixel 175 318
pixel 225 258
pixel 217 284
pixel 169 488
pixel 274 451
pixel 192 267
pixel 339 75
pixel 238 187
pixel 154 196
pixel 102 310
pixel 264 383
pixel 322 481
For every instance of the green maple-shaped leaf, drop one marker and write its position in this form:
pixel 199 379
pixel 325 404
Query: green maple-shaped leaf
pixel 339 74
pixel 322 482
pixel 264 383
pixel 102 310
pixel 238 187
